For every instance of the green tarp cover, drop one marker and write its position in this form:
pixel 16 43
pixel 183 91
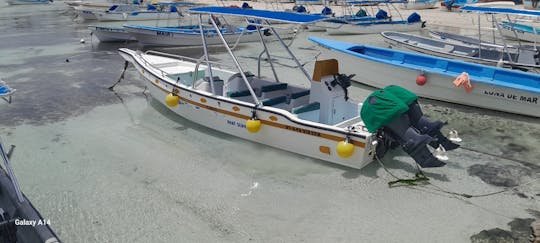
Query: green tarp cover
pixel 404 95
pixel 380 108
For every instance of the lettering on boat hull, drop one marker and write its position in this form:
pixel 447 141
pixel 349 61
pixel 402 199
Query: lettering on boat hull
pixel 510 96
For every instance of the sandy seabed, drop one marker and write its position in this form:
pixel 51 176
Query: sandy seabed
pixel 119 167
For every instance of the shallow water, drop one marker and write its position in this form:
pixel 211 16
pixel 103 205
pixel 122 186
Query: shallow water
pixel 119 167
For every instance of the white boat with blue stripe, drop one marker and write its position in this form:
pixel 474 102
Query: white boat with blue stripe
pixel 110 33
pixel 252 107
pixel 440 78
pixel 383 21
pixel 166 11
pixel 28 2
pixel 319 121
pixel 189 35
pixel 512 29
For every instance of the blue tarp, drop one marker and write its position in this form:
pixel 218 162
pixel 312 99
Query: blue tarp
pixel 501 11
pixel 260 14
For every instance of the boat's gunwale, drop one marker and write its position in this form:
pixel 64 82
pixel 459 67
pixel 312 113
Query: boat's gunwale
pixel 345 48
pixel 506 62
pixel 289 116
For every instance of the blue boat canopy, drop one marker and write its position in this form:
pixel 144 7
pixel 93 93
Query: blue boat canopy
pixel 286 17
pixel 511 11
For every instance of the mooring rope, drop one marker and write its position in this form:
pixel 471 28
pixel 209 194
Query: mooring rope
pixel 421 177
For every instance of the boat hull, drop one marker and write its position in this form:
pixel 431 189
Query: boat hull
pixel 437 49
pixel 280 128
pixel 513 33
pixel 150 37
pixel 104 16
pixel 27 2
pixel 111 34
pixel 417 5
pixel 352 29
pixel 439 84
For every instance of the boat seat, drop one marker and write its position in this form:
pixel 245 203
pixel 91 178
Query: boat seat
pixel 275 101
pixel 235 94
pixel 306 108
pixel 237 84
pixel 473 53
pixel 309 112
pixel 299 98
pixel 447 48
pixel 273 90
pixel 205 85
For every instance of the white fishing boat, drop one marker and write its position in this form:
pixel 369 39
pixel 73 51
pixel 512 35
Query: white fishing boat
pixel 383 21
pixel 88 12
pixel 320 121
pixel 521 58
pixel 28 2
pixel 474 42
pixel 520 31
pixel 440 78
pixel 190 35
pixel 512 29
pixel 111 33
pixel 167 11
pixel 419 4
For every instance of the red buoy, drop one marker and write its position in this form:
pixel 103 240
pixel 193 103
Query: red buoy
pixel 421 80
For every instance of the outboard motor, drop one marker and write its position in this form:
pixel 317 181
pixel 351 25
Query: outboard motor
pixel 395 112
pixel 419 121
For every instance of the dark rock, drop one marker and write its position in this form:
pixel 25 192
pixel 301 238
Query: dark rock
pixel 499 175
pixel 493 236
pixel 519 232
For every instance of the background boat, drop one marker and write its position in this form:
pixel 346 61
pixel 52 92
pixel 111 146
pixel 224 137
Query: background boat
pixel 524 58
pixel 440 78
pixel 190 35
pixel 419 4
pixel 110 33
pixel 26 2
pixel 520 31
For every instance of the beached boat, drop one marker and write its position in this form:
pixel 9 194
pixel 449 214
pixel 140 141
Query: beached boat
pixel 419 4
pixel 5 91
pixel 191 36
pixel 511 29
pixel 88 12
pixel 110 33
pixel 524 58
pixel 520 31
pixel 20 221
pixel 162 11
pixel 455 4
pixel 27 2
pixel 381 22
pixel 470 41
pixel 437 78
pixel 320 121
